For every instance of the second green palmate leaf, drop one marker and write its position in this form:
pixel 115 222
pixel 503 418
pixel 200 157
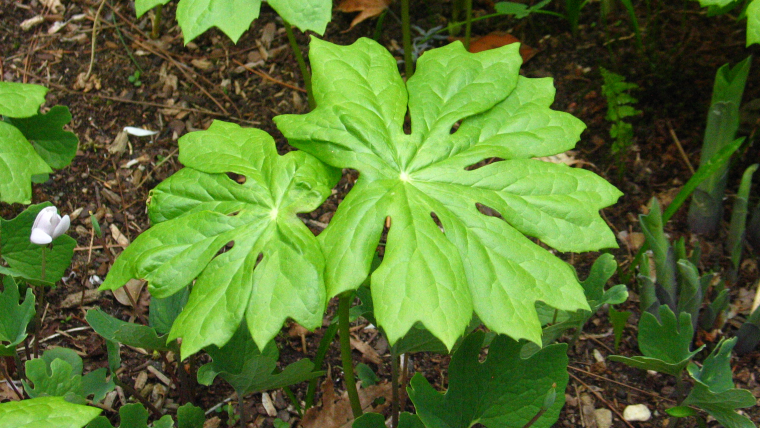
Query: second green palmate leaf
pixel 445 259
pixel 503 391
pixel 252 256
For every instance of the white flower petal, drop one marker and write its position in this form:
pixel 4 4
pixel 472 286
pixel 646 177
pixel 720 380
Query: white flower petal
pixel 39 237
pixel 62 227
pixel 43 217
pixel 139 132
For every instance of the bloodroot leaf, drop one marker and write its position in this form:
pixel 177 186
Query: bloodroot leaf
pixel 444 258
pixel 244 246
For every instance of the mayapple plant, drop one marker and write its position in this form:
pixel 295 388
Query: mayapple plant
pixel 445 259
pixel 433 274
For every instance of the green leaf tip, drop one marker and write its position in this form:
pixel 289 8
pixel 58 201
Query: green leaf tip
pixel 445 258
pixel 44 412
pixel 251 257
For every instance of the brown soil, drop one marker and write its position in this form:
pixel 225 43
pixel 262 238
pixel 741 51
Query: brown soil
pixel 185 88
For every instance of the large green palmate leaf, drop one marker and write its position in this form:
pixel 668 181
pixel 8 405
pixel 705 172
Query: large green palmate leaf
pixel 274 269
pixel 233 17
pixel 503 391
pixel 18 163
pixel 21 99
pixel 435 274
pixel 45 131
pixel 45 412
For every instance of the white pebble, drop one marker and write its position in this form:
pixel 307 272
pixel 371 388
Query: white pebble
pixel 637 413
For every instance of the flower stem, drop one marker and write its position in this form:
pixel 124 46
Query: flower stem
pixel 406 29
pixel 301 63
pixel 344 304
pixel 40 306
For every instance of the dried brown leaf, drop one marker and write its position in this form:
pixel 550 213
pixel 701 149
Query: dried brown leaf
pixel 367 8
pixel 336 410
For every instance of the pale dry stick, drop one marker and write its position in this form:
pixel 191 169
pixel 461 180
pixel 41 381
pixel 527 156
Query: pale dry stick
pixel 94 38
pixel 98 247
pixel 641 391
pixel 606 403
pixel 680 148
pixel 268 77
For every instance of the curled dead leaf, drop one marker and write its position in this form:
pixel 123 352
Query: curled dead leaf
pixel 366 8
pixel 133 287
pixel 498 39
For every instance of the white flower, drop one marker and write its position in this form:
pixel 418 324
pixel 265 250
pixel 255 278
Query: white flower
pixel 48 225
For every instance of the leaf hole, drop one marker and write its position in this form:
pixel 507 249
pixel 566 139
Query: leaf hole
pixel 482 163
pixel 233 214
pixel 228 246
pixel 437 221
pixel 238 178
pixel 486 210
pixel 455 127
pixel 259 258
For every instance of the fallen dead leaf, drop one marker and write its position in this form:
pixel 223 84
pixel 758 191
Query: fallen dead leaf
pixel 6 393
pixel 133 287
pixel 367 8
pixel 336 410
pixel 498 39
pixel 117 235
pixel 87 84
pixel 119 144
pixel 368 352
pixel 75 298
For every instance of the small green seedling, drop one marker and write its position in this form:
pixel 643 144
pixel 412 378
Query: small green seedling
pixel 134 79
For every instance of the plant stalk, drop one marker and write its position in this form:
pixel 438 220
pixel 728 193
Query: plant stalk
pixel 406 29
pixel 468 26
pixel 155 30
pixel 344 304
pixel 394 390
pixel 301 63
pixel 241 411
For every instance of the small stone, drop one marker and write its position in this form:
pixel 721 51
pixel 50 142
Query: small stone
pixel 603 418
pixel 637 413
pixel 266 401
